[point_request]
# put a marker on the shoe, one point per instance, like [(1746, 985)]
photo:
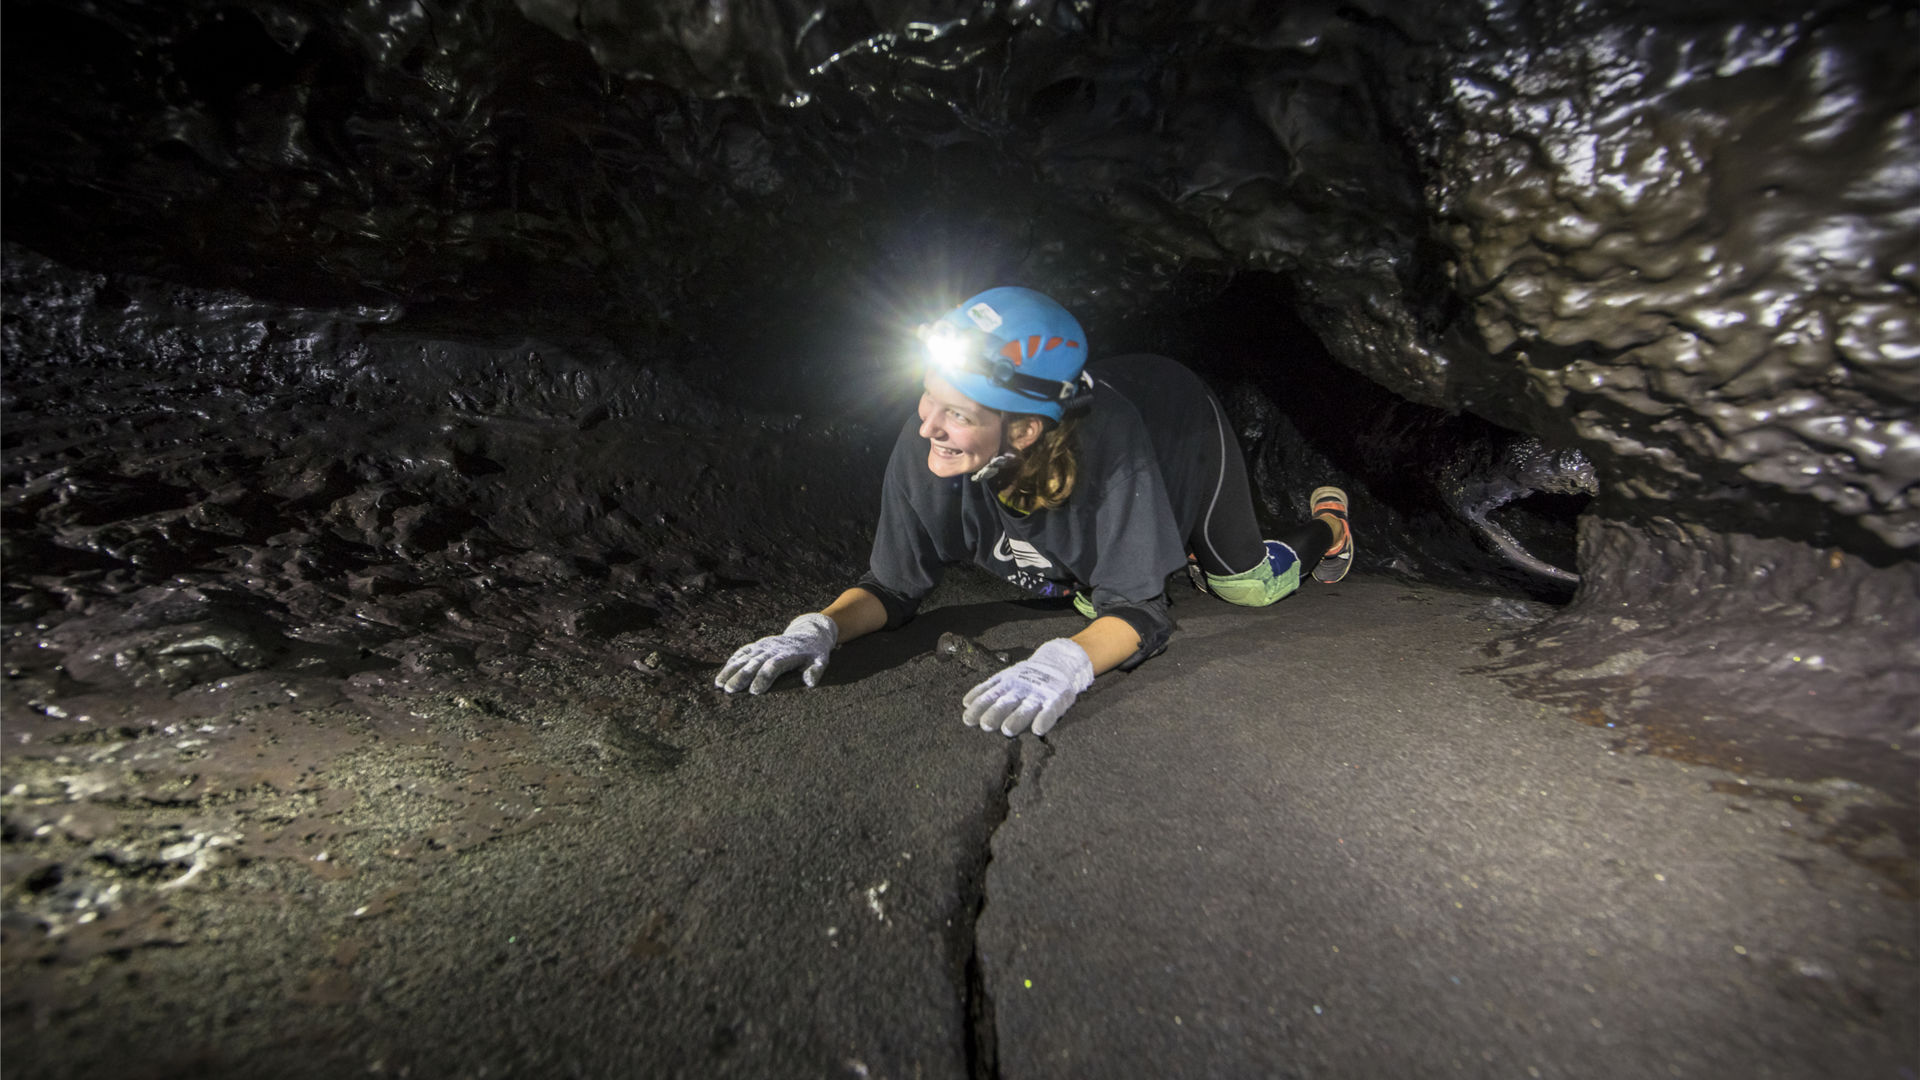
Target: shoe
[(1334, 564)]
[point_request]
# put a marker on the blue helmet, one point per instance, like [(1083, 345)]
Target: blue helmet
[(1011, 349)]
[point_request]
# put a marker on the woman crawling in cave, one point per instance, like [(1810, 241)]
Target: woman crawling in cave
[(1094, 483)]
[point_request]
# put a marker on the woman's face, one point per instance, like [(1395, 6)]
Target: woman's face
[(965, 434)]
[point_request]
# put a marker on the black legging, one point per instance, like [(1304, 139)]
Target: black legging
[(1228, 539)]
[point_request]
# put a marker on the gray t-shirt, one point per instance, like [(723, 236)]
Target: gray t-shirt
[(1148, 457)]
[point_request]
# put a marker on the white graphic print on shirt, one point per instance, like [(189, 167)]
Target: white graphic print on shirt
[(1029, 567), (1019, 553)]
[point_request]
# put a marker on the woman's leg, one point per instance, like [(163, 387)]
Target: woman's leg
[(1227, 540), (1307, 543), (1278, 574), (1239, 566)]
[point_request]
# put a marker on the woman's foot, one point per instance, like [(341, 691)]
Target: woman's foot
[(1330, 505)]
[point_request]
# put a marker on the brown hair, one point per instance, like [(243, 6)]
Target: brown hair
[(1044, 476)]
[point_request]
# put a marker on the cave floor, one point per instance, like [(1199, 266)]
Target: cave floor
[(1314, 840)]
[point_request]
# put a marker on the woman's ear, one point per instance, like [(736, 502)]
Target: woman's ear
[(1024, 431)]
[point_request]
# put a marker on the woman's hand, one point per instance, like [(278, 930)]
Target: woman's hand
[(807, 640), (1032, 693)]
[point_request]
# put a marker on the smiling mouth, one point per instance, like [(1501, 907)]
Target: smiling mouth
[(945, 451)]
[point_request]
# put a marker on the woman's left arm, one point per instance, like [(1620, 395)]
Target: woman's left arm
[(1107, 641), (1034, 692)]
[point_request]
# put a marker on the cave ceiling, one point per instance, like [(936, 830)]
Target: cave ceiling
[(1679, 238)]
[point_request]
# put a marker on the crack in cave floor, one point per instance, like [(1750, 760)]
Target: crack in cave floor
[(1308, 839), (982, 1038)]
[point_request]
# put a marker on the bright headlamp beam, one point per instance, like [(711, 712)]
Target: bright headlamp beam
[(946, 351)]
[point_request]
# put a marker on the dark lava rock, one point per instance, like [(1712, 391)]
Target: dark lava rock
[(175, 657), (1676, 241), (498, 289), (83, 498), (605, 618)]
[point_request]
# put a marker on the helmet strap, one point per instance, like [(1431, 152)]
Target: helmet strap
[(1006, 456), (993, 468)]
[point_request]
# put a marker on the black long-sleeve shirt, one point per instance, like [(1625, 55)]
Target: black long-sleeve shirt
[(1148, 458)]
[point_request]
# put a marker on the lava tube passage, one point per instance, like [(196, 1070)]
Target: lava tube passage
[(1054, 538)]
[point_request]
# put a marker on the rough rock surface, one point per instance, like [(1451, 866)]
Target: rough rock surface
[(1682, 239), (407, 403), (1664, 257), (256, 483), (1237, 860)]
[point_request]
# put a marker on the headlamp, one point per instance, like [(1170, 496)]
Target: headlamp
[(952, 349)]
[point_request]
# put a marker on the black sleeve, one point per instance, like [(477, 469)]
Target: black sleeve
[(900, 608), (905, 565), (1139, 535), (1137, 548), (1154, 625)]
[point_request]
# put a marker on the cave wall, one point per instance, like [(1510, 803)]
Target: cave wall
[(1684, 238), (1664, 255), (1707, 265), (1680, 241), (199, 484)]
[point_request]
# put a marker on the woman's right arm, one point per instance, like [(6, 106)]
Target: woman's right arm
[(857, 612), (805, 643)]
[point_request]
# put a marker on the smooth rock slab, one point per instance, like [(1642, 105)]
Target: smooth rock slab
[(1303, 843)]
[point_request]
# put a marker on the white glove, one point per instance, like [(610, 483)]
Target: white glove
[(1035, 691), (806, 640)]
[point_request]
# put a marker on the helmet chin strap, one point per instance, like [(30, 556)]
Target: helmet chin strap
[(1000, 461), (992, 468)]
